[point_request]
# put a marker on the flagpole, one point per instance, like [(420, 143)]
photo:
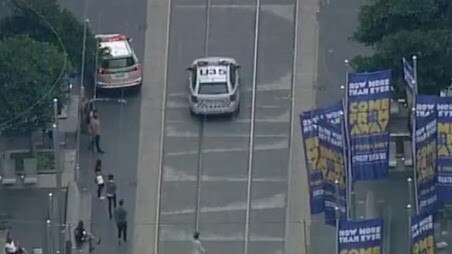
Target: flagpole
[(337, 213), (349, 179), (344, 154), (413, 136), (306, 161)]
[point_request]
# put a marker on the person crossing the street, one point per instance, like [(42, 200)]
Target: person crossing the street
[(197, 246)]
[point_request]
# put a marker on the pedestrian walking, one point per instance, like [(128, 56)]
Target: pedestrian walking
[(84, 113), (197, 247), (95, 130), (98, 167), (121, 221), (100, 184), (111, 194)]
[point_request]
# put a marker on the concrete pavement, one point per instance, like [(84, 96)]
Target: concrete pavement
[(26, 211), (298, 218)]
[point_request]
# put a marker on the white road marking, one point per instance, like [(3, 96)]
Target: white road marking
[(292, 126), (162, 130), (175, 175), (253, 115), (276, 201), (283, 144), (171, 232)]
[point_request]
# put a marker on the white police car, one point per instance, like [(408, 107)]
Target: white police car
[(118, 65), (214, 86)]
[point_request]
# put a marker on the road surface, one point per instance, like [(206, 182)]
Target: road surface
[(223, 164), (120, 122)]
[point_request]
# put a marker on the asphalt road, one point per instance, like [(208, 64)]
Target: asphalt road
[(120, 122), (225, 142), (337, 20)]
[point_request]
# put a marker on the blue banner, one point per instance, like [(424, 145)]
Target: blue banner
[(422, 234), (332, 166), (408, 74), (425, 147), (309, 128), (444, 150), (368, 111), (361, 236)]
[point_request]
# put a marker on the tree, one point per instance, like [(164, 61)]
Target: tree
[(401, 28), (30, 73), (41, 19)]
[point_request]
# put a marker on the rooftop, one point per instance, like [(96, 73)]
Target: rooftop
[(212, 74)]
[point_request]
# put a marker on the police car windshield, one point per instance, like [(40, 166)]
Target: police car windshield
[(213, 88), (116, 63)]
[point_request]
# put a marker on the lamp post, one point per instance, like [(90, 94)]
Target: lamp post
[(58, 175)]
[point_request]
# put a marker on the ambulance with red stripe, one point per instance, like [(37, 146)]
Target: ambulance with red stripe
[(117, 66)]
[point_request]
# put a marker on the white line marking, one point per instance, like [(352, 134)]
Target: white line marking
[(162, 129), (292, 126), (201, 130), (253, 115), (277, 201), (172, 232), (176, 175), (281, 145)]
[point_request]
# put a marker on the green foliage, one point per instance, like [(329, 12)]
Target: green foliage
[(28, 71), (28, 20), (402, 28)]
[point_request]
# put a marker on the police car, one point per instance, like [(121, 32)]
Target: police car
[(118, 66), (214, 86)]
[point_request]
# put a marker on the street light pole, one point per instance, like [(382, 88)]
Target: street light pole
[(409, 212), (49, 237), (58, 169), (410, 190), (82, 71)]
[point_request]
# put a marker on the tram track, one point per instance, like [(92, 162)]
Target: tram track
[(203, 122), (222, 180)]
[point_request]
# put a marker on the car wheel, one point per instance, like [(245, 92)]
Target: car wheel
[(192, 113), (237, 112)]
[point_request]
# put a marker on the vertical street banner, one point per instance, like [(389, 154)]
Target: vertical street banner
[(367, 125), (444, 150), (422, 234), (309, 128), (408, 74), (332, 166), (425, 151), (360, 236)]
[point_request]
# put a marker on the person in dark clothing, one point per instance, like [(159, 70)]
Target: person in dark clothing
[(121, 221), (111, 194), (82, 236), (95, 130), (98, 167)]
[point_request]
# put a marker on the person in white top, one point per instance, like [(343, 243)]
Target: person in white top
[(11, 247), (100, 184), (197, 247)]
